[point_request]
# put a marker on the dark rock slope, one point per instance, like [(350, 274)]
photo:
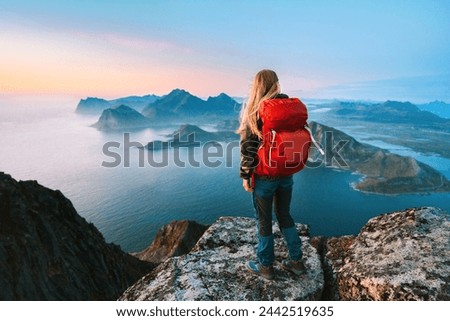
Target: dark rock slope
[(49, 252)]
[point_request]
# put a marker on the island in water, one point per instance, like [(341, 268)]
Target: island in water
[(122, 117), (381, 171)]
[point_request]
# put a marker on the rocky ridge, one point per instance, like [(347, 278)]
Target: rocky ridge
[(49, 252)]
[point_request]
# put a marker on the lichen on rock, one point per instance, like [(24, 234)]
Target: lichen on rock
[(215, 269), (399, 256)]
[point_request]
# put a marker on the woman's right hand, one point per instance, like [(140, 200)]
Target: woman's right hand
[(247, 186)]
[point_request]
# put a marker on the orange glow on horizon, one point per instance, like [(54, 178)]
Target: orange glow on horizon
[(36, 62), (112, 83)]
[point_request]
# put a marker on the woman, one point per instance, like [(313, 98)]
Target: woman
[(266, 189)]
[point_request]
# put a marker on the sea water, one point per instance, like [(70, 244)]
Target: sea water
[(45, 140)]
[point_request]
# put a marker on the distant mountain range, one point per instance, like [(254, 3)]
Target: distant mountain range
[(181, 104), (437, 107), (92, 105), (182, 107), (393, 112), (178, 105)]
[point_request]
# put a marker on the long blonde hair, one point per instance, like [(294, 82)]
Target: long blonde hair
[(265, 86)]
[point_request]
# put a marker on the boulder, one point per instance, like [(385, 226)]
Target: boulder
[(398, 256), (215, 269)]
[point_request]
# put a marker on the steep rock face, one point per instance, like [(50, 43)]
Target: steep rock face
[(49, 252), (215, 269), (174, 239), (384, 172), (398, 256)]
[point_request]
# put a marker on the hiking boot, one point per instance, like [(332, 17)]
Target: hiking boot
[(264, 271), (296, 267)]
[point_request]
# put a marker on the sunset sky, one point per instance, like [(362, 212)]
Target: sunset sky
[(319, 48)]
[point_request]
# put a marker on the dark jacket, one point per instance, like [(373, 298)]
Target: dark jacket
[(249, 149)]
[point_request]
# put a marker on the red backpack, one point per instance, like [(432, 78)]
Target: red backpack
[(286, 138)]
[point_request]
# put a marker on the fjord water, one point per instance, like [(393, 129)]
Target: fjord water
[(46, 141)]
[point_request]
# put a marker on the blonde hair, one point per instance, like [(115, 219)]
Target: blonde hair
[(265, 86)]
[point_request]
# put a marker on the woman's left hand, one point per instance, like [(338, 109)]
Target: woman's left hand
[(247, 186)]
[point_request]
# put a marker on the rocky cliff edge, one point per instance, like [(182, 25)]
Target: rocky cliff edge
[(215, 269), (403, 255), (398, 256), (48, 252)]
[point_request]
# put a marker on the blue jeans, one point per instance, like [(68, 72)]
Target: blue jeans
[(267, 192)]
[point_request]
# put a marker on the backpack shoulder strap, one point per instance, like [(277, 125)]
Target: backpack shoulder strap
[(314, 140)]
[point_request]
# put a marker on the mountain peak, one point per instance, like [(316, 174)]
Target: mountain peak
[(397, 104), (121, 117), (124, 108), (92, 105), (178, 91), (222, 97), (180, 102)]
